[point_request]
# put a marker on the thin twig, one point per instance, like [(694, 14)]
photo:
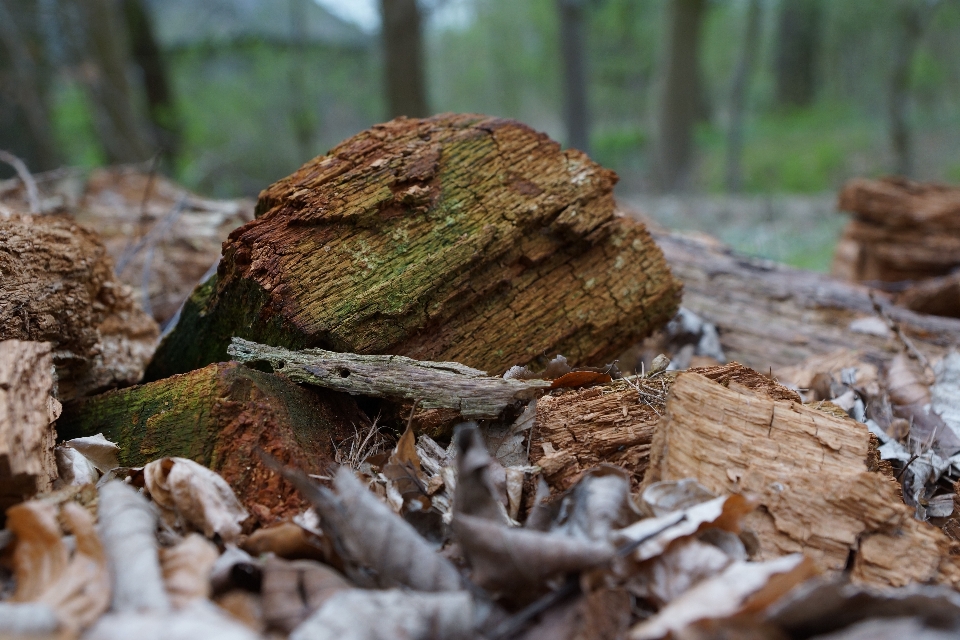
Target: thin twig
[(895, 327), (33, 194)]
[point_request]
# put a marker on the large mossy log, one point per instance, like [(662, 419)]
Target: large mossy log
[(220, 416), (457, 237)]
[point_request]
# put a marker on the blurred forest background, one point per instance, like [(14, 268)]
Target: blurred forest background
[(740, 118)]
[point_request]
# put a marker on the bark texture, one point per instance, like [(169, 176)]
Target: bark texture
[(27, 412), (797, 46), (219, 416), (438, 385), (57, 286), (769, 315), (901, 230), (808, 469), (455, 238)]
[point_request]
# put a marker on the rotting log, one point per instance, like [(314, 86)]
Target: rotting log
[(57, 286), (454, 238), (901, 230), (575, 430), (437, 385), (27, 413), (809, 471), (771, 316), (220, 416)]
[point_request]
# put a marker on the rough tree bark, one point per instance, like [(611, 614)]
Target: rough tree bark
[(219, 416), (797, 45), (769, 315), (161, 106), (573, 52), (57, 286), (455, 238), (809, 471), (404, 75), (739, 93), (25, 125), (100, 45), (27, 412), (678, 112)]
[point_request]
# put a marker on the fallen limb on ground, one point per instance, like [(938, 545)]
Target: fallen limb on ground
[(449, 385), (808, 470)]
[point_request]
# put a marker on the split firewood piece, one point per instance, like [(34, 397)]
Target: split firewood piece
[(901, 230), (456, 237), (808, 470), (58, 286), (448, 385), (27, 412), (771, 315), (217, 416), (615, 423)]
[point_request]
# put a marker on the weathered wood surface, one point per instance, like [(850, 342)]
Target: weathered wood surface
[(901, 230), (219, 416), (57, 286), (162, 238), (455, 238), (615, 423), (770, 315), (808, 469), (27, 412), (438, 385)]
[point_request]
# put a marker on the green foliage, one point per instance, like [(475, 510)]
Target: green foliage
[(74, 128)]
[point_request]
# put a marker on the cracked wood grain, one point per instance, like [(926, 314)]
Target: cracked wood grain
[(438, 385), (454, 238)]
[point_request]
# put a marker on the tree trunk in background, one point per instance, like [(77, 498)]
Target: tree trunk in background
[(301, 114), (739, 94), (25, 126), (912, 19), (104, 54), (404, 79), (796, 56), (162, 109), (681, 93), (572, 49)]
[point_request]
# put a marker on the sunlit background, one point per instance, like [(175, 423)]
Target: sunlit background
[(740, 118)]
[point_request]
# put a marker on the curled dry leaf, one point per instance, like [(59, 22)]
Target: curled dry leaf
[(127, 526), (245, 606), (481, 481), (599, 503), (201, 619), (294, 590), (289, 541), (27, 619), (371, 537), (74, 468), (666, 497), (905, 382), (720, 513), (403, 472), (186, 569), (357, 614), (742, 587), (236, 569), (98, 450), (77, 588), (685, 563), (511, 560), (195, 496)]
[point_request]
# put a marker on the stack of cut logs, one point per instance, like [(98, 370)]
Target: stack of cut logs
[(426, 273)]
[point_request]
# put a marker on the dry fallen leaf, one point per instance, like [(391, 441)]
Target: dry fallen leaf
[(98, 450), (74, 468), (201, 620), (357, 614), (195, 496), (292, 591), (479, 491), (77, 588), (741, 587), (186, 569), (289, 541), (128, 525)]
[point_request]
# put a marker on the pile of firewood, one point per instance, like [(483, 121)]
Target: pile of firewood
[(441, 386)]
